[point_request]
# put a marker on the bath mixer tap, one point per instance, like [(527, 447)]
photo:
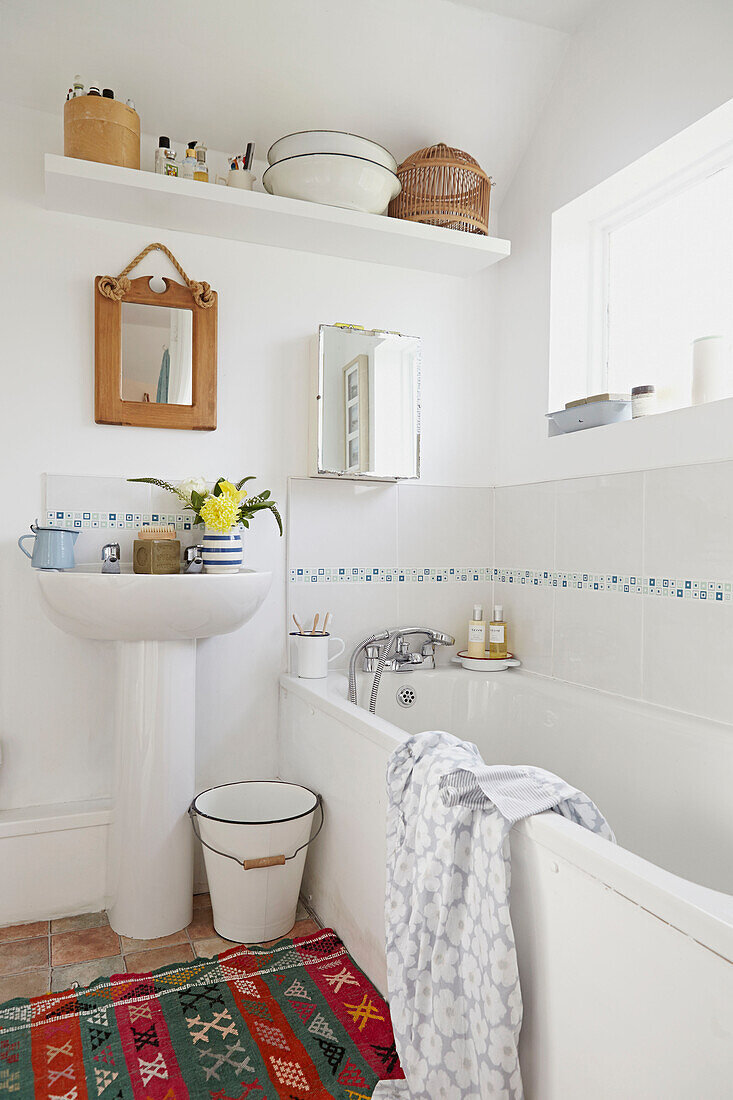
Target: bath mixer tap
[(390, 650)]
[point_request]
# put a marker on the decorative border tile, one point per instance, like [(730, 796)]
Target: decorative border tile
[(130, 521), (684, 588), (388, 575)]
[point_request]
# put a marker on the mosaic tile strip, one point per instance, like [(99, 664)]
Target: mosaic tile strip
[(130, 521), (388, 575), (683, 588)]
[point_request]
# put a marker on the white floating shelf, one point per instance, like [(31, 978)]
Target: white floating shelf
[(143, 198)]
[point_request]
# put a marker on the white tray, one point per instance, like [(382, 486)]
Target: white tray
[(593, 415), (486, 664)]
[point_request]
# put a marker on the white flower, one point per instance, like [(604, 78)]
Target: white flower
[(460, 1063), (503, 1048), (449, 1013), (503, 961), (192, 485)]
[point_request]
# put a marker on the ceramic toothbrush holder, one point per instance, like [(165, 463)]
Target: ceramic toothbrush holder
[(313, 658)]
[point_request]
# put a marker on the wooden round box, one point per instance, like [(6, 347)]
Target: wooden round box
[(104, 130)]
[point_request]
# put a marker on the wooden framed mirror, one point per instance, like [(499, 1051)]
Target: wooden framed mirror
[(155, 353)]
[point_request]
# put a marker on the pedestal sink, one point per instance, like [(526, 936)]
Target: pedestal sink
[(155, 621)]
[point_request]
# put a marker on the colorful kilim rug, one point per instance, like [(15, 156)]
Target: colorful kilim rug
[(297, 1021)]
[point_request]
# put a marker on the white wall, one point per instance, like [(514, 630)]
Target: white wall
[(635, 76), (56, 692)]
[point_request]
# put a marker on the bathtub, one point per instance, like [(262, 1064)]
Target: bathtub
[(625, 951)]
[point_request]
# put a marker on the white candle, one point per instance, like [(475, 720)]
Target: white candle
[(712, 373)]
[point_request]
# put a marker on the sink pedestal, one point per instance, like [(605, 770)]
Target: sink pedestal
[(155, 621), (150, 860)]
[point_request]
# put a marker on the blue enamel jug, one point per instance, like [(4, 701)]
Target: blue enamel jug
[(53, 547)]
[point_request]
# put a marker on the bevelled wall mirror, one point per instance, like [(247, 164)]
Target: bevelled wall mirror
[(155, 353), (367, 400)]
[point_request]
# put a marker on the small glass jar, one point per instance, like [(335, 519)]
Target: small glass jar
[(643, 401)]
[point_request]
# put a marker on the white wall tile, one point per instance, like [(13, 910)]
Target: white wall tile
[(524, 516), (688, 528), (599, 524), (443, 606), (597, 640), (357, 610), (688, 655), (89, 493), (528, 611), (341, 523), (444, 525)]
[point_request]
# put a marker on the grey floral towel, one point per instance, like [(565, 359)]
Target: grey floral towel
[(454, 990)]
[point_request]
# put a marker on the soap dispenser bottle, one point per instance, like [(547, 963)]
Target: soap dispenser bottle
[(497, 634), (201, 171), (477, 633), (188, 167)]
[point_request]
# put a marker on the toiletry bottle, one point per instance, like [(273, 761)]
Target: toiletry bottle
[(201, 172), (497, 633), (165, 158), (78, 86), (107, 93), (477, 633), (188, 166), (94, 90)]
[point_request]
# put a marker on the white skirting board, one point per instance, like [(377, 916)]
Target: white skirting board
[(53, 860)]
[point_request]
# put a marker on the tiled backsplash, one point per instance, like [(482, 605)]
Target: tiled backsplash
[(383, 555), (111, 509), (622, 583)]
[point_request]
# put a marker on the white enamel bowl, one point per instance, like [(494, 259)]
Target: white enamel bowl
[(335, 180), (330, 141)]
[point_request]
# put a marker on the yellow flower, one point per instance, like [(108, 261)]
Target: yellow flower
[(231, 491), (219, 513)]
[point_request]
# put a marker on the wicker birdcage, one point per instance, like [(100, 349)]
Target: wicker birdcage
[(443, 186)]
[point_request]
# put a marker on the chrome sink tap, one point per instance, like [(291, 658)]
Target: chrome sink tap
[(111, 557)]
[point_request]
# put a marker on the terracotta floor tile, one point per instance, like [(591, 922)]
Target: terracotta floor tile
[(304, 928), (24, 931), (23, 955), (63, 977), (34, 983), (202, 925), (129, 945), (300, 928), (76, 924), (201, 901), (206, 949), (88, 943), (141, 962)]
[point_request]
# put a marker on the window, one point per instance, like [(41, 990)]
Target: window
[(670, 281), (641, 266)]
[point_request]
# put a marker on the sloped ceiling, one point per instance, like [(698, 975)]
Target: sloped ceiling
[(404, 72), (562, 15)]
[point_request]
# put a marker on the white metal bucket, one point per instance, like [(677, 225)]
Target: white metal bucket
[(255, 837)]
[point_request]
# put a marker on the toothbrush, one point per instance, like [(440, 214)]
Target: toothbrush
[(315, 623), (300, 628), (326, 621)]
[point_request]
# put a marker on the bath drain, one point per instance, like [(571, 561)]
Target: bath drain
[(406, 696)]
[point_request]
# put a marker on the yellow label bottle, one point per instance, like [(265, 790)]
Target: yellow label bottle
[(498, 634), (477, 633)]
